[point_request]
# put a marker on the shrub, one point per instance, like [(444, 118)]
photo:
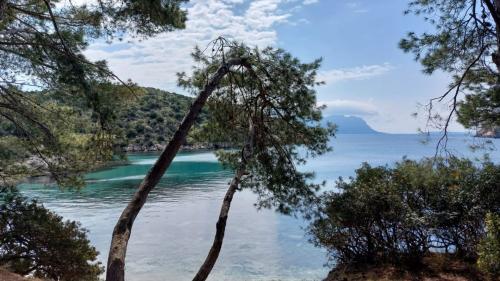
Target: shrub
[(34, 240), (489, 248), (398, 215)]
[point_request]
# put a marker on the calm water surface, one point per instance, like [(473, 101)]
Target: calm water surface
[(174, 231)]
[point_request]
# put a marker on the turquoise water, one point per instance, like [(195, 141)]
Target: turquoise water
[(175, 229)]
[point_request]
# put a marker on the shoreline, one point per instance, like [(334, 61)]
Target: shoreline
[(160, 147), (47, 179)]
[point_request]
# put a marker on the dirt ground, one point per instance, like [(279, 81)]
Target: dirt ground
[(8, 276), (436, 268)]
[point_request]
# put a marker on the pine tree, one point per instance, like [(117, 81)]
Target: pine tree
[(267, 110), (464, 43), (262, 102)]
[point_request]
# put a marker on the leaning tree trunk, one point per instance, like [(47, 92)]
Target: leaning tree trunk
[(121, 233), (495, 11), (220, 226)]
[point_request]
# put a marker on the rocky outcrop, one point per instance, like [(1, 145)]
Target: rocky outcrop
[(188, 147), (5, 275), (144, 148), (34, 162), (489, 133), (436, 267)]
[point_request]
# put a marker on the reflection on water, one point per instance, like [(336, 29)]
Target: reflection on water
[(174, 231)]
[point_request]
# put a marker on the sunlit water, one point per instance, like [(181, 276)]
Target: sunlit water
[(174, 231)]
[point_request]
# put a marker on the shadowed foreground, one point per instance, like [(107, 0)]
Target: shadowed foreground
[(8, 276), (435, 268)]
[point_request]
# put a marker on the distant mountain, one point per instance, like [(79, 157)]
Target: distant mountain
[(350, 125)]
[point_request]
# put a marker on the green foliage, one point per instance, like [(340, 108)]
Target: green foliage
[(64, 140), (464, 43), (70, 114), (271, 100), (42, 44), (153, 117), (398, 215), (73, 141), (144, 18), (478, 111), (456, 40), (489, 248), (11, 169), (35, 241)]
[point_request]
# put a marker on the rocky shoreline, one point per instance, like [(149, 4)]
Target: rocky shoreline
[(189, 147), (489, 133), (35, 163)]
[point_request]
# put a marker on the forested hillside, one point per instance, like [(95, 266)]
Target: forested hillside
[(152, 118)]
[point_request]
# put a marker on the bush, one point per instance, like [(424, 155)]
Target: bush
[(34, 240), (489, 248), (398, 215)]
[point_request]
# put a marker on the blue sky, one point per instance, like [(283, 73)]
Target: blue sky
[(366, 74)]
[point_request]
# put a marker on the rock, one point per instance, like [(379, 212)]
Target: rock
[(489, 133), (188, 147), (36, 163), (8, 276)]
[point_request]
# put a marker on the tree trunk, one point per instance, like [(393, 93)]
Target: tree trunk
[(220, 227), (496, 55), (3, 6), (121, 233)]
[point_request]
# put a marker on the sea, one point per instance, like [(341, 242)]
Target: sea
[(173, 232)]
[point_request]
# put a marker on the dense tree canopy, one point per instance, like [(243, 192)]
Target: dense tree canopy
[(153, 117), (399, 215), (35, 241), (465, 43)]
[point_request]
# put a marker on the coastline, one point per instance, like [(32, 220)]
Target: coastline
[(45, 177), (186, 147)]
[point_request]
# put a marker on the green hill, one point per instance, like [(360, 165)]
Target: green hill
[(150, 121)]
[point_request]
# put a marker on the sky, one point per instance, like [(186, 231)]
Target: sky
[(366, 74)]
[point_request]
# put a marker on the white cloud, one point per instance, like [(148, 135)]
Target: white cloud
[(309, 2), (354, 73), (356, 7), (349, 107), (155, 61), (262, 14)]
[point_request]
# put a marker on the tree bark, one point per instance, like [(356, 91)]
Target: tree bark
[(220, 226), (121, 233), (3, 7), (496, 54)]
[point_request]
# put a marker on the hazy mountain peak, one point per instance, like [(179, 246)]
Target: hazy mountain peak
[(348, 124)]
